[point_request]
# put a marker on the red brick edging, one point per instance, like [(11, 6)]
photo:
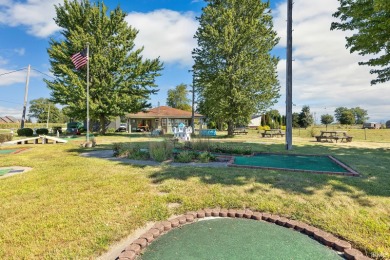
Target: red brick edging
[(160, 228)]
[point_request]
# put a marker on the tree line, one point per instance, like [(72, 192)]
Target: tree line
[(234, 74)]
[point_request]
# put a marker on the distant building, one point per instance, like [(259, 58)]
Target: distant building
[(255, 121), (9, 119), (372, 125), (162, 117)]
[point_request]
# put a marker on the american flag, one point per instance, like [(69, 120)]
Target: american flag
[(80, 59)]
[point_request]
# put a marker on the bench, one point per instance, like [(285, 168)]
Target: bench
[(346, 138), (327, 138), (273, 133), (238, 131), (208, 132)]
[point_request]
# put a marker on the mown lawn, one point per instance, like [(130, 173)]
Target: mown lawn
[(73, 207)]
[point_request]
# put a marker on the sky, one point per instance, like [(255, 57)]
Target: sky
[(325, 74)]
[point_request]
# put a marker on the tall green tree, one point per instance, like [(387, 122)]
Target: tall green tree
[(121, 80), (347, 118), (338, 112), (42, 109), (305, 117), (234, 72), (177, 98), (360, 114), (370, 21), (326, 120)]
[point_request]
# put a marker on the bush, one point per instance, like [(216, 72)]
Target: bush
[(42, 131), (25, 132), (5, 138), (121, 149), (206, 157), (57, 128), (185, 157), (266, 127), (161, 151)]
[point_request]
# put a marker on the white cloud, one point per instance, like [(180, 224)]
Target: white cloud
[(36, 15), (20, 51), (166, 34), (7, 111), (325, 74)]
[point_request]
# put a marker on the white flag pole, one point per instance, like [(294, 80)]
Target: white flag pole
[(87, 92)]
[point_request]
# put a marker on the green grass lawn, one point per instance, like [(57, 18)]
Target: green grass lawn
[(71, 207)]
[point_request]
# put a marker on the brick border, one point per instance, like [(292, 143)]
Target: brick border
[(160, 228)]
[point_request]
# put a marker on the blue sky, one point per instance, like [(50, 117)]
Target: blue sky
[(325, 74)]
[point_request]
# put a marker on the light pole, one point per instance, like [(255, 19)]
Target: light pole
[(289, 77)]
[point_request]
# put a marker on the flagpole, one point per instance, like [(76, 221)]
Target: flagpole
[(87, 92)]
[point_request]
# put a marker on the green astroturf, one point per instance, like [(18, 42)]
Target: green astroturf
[(7, 151), (4, 171), (296, 162), (225, 238)]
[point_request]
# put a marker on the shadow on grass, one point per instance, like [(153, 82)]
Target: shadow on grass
[(372, 164)]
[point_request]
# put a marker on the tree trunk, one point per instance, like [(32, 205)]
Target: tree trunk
[(230, 128), (102, 122)]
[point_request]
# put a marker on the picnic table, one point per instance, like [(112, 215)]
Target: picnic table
[(273, 133), (329, 136), (240, 130)]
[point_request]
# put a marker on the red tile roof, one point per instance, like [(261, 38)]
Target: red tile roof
[(164, 111)]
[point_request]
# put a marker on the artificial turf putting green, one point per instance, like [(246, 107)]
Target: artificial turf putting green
[(8, 151), (4, 171), (296, 162), (225, 238)]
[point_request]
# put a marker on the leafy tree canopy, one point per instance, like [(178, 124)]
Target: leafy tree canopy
[(234, 73), (371, 21), (121, 81), (359, 114), (177, 98), (305, 117), (327, 119), (43, 109)]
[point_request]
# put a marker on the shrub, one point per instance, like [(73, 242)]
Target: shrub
[(283, 127), (312, 131), (266, 127), (161, 151), (25, 132), (57, 128), (110, 130), (185, 157), (206, 157), (5, 137), (199, 144), (121, 149), (42, 131)]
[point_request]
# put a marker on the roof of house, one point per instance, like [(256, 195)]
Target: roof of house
[(164, 111)]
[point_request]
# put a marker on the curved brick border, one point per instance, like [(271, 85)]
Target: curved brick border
[(160, 228)]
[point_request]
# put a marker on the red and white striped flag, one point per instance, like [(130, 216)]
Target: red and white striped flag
[(80, 59)]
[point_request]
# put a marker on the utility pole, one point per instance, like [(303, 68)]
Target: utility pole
[(193, 108), (48, 114), (25, 97), (289, 77), (88, 92)]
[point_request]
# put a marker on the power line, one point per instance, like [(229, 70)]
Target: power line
[(12, 71), (43, 73), (10, 102)]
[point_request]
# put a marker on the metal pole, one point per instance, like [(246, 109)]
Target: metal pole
[(25, 97), (193, 108), (289, 78), (48, 113), (87, 92)]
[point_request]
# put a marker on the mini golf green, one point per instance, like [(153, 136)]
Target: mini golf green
[(4, 171), (8, 151), (225, 238), (295, 162)]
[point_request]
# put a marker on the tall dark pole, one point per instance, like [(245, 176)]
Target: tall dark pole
[(289, 77), (25, 97)]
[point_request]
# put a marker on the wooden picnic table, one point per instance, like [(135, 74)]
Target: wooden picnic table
[(240, 130), (329, 136), (273, 133)]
